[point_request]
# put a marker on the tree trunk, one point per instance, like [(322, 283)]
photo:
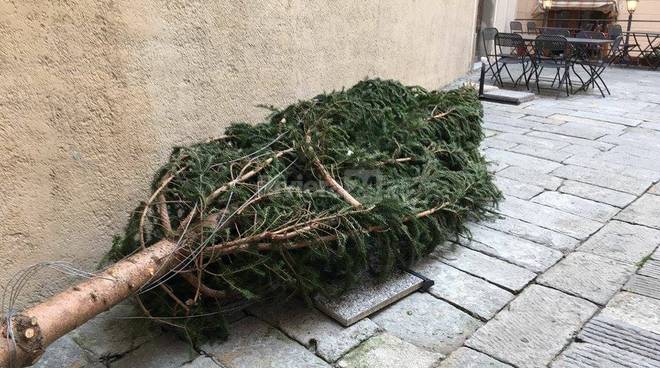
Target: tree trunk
[(39, 326)]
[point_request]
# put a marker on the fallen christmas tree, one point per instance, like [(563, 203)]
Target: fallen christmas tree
[(369, 179)]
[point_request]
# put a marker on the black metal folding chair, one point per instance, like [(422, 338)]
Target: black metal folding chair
[(510, 49), (516, 27), (596, 66), (614, 31), (531, 27), (553, 52)]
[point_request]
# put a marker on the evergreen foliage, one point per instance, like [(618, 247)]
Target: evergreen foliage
[(256, 218)]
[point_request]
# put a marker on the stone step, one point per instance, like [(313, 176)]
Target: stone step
[(507, 96), (607, 331), (368, 297)]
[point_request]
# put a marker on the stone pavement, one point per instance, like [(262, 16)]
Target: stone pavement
[(567, 276)]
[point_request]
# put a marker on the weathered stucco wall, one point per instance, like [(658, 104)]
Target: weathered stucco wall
[(93, 94)]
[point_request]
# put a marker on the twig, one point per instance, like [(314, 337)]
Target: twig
[(241, 178), (329, 179)]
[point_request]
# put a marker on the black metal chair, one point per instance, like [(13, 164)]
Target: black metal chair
[(587, 27), (510, 49), (488, 41), (553, 52), (613, 32), (516, 27), (531, 27), (596, 66)]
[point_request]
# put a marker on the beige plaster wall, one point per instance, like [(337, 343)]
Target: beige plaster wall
[(94, 93), (505, 12)]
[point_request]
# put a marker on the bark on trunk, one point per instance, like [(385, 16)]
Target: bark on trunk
[(39, 326)]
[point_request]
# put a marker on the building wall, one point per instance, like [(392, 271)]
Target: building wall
[(94, 94), (647, 10), (505, 13)]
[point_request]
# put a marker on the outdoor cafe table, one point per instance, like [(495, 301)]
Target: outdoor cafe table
[(530, 38)]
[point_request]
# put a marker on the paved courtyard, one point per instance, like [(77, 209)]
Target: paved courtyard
[(567, 276)]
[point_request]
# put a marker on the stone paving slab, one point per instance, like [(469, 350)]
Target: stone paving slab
[(588, 276), (636, 310), (427, 322), (165, 351), (593, 162), (623, 241), (547, 154), (115, 332), (644, 211), (531, 177), (495, 142), (517, 189), (575, 130), (606, 331), (530, 141), (627, 157), (603, 178), (468, 358), (202, 362), (572, 140), (473, 294), (368, 297), (537, 234), (650, 268), (253, 343), (534, 328), (548, 217), (598, 194), (518, 251), (644, 285), (614, 127), (579, 355), (388, 351), (577, 206), (517, 159), (635, 137), (504, 274), (314, 330), (64, 353), (578, 150), (505, 128)]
